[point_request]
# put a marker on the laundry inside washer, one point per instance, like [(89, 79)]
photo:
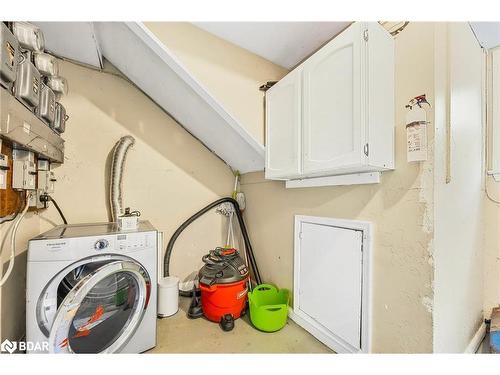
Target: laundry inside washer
[(105, 311)]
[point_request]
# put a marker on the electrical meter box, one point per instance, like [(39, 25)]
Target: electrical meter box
[(9, 56), (47, 106), (28, 83), (60, 118)]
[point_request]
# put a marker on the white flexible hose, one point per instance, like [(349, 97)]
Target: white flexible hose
[(117, 167), (13, 235), (230, 234)]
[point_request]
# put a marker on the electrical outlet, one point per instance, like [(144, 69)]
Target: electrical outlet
[(39, 203), (33, 200)]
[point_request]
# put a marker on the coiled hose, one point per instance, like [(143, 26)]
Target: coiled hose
[(117, 167), (246, 239)]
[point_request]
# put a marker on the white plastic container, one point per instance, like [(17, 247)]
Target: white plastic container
[(168, 296)]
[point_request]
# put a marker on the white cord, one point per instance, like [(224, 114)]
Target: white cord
[(15, 226), (230, 236)]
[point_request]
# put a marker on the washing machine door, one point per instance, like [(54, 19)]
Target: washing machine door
[(102, 310)]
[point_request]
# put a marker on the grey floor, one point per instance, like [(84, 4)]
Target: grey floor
[(484, 348), (178, 334)]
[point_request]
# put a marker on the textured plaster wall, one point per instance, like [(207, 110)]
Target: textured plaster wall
[(168, 176), (459, 201), (230, 73), (400, 208)]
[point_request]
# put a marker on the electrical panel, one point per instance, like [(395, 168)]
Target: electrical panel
[(23, 170), (31, 119), (45, 183), (46, 177)]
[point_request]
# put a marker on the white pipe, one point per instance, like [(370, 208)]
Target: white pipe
[(117, 167), (13, 241)]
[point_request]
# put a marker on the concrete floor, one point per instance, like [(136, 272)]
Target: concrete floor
[(484, 348), (178, 334)]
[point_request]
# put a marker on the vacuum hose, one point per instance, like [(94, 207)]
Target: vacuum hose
[(246, 239), (117, 166)]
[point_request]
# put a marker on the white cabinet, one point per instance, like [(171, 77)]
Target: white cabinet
[(331, 281), (334, 114), (283, 110)]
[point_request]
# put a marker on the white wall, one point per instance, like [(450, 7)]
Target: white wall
[(458, 205), (492, 192)]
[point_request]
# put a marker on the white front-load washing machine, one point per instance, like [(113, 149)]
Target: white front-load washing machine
[(92, 289)]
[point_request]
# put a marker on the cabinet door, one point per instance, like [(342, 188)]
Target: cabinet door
[(283, 118), (333, 137)]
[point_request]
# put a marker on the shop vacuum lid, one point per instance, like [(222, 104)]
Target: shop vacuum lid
[(223, 266)]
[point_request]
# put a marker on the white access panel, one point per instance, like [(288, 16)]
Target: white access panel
[(331, 277)]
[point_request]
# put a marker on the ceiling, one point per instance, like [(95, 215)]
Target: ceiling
[(72, 40), (141, 57), (283, 43), (488, 33), (134, 50)]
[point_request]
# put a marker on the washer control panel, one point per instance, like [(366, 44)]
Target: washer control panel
[(132, 242), (71, 248)]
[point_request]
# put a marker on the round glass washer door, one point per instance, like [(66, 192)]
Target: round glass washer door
[(102, 311)]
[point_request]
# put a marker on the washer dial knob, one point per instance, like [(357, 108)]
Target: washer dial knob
[(101, 244)]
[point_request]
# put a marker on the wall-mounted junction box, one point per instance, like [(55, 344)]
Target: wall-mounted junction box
[(45, 185), (24, 170), (4, 167), (46, 180)]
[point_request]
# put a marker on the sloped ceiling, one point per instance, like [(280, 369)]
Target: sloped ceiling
[(283, 43), (72, 40), (487, 33), (139, 55)]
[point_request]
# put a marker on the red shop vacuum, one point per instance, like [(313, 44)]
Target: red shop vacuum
[(223, 288), (223, 280)]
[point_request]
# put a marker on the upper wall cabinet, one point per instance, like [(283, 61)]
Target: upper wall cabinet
[(334, 114), (284, 112)]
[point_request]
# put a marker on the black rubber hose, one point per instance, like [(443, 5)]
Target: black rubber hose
[(246, 239)]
